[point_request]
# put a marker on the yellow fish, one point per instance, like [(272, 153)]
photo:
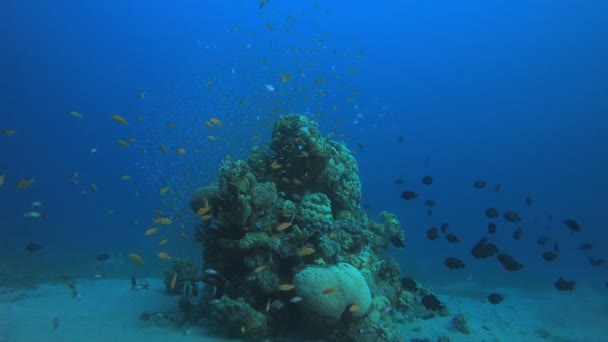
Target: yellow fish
[(181, 151), (2, 179), (184, 236), (283, 226), (151, 231), (94, 187), (306, 251), (164, 256), (216, 121), (162, 220), (286, 287), (330, 290), (142, 95), (209, 125), (173, 281), (206, 217), (24, 183), (259, 269), (75, 114), (163, 148), (126, 177), (122, 143), (120, 119), (354, 308), (162, 242), (164, 190), (8, 132), (136, 258), (212, 137), (286, 78)]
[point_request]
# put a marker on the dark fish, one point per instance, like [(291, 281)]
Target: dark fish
[(492, 213), (529, 201), (367, 205), (484, 249), (495, 298), (55, 323), (497, 188), (479, 184), (360, 145), (429, 212), (549, 256), (550, 217), (263, 3), (444, 227), (430, 203), (401, 138), (511, 216), (432, 233), (564, 285), (409, 195), (542, 240), (133, 282), (397, 241), (518, 233), (509, 263), (103, 257), (453, 263), (572, 225), (596, 262), (452, 238), (556, 247), (427, 180), (587, 246), (347, 315), (409, 284), (431, 303), (399, 181), (491, 228), (33, 247)]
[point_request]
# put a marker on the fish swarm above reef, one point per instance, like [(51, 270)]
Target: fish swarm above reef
[(286, 214)]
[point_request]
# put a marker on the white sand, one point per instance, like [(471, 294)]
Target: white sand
[(109, 311)]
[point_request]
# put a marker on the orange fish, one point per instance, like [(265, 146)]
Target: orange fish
[(163, 148), (8, 132), (330, 290), (181, 151), (24, 183), (136, 258), (162, 242), (151, 231), (162, 220), (164, 256), (173, 281), (206, 217), (286, 287), (281, 227), (164, 190), (216, 121), (259, 269), (354, 308), (275, 165), (122, 143), (120, 119), (306, 251)]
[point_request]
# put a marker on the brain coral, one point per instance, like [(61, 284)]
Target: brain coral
[(350, 286)]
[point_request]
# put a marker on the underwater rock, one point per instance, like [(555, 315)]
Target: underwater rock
[(352, 289), (316, 212)]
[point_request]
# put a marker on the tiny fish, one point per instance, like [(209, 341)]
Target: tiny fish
[(120, 119), (136, 258), (151, 231), (295, 300), (1, 179), (216, 121), (330, 290), (173, 281), (55, 323), (24, 183), (164, 256), (306, 251), (354, 308), (75, 114), (286, 287), (181, 151), (162, 220), (281, 227), (164, 190), (259, 269), (162, 242)]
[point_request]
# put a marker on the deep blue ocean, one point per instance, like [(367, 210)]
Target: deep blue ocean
[(509, 92)]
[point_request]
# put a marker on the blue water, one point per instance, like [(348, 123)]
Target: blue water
[(510, 92)]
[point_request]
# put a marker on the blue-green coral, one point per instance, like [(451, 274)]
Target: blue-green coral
[(316, 212)]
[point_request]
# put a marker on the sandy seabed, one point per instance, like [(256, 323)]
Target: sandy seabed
[(108, 310)]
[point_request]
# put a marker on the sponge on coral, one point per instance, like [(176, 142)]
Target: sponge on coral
[(350, 289)]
